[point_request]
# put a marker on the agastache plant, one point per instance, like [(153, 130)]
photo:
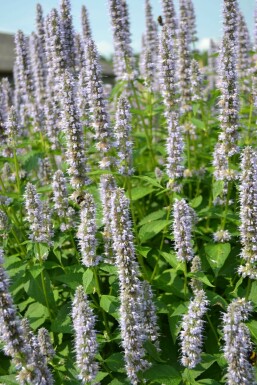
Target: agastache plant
[(67, 34), (123, 59), (184, 58), (229, 102), (38, 218), (15, 339), (87, 232), (131, 310), (75, 151), (64, 212), (191, 21), (123, 139), (184, 218), (244, 47), (238, 343), (86, 346), (86, 29), (98, 105), (167, 70), (170, 19), (191, 334), (248, 210)]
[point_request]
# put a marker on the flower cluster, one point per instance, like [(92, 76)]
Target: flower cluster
[(238, 343), (184, 217), (86, 346)]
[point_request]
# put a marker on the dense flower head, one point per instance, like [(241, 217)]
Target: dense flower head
[(238, 343), (221, 236), (87, 232), (191, 21), (167, 70), (184, 58), (45, 344), (61, 202), (228, 83), (67, 34), (71, 124), (86, 346), (12, 127), (38, 68), (38, 216), (150, 324), (184, 218), (86, 29), (55, 54), (6, 101), (107, 185), (196, 81), (170, 18), (122, 135), (131, 308), (191, 334), (221, 164), (122, 41), (248, 212), (97, 103)]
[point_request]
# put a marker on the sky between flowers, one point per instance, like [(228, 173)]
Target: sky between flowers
[(20, 14)]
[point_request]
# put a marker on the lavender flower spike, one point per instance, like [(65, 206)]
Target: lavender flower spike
[(248, 213), (38, 218), (14, 336), (131, 310), (238, 343), (87, 232), (75, 152), (122, 134), (86, 29), (184, 58), (184, 217), (97, 104), (61, 203), (229, 99), (170, 19), (167, 68), (67, 34), (191, 335), (85, 337), (122, 40), (196, 81)]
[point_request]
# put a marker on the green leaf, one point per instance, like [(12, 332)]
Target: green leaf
[(153, 217), (140, 192), (207, 361), (36, 290), (151, 181), (217, 188), (115, 362), (200, 276), (152, 351), (208, 381), (73, 280), (110, 304), (100, 376), (37, 314), (88, 281), (217, 255), (170, 282), (149, 230), (9, 380), (198, 123), (62, 322), (171, 258), (163, 374), (143, 250), (196, 202)]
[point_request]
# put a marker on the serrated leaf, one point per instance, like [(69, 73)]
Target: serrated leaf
[(35, 289), (217, 188), (200, 276), (140, 192), (9, 380), (217, 255), (62, 322), (110, 304), (88, 281), (149, 230), (116, 362), (196, 202), (153, 217), (163, 374), (36, 314)]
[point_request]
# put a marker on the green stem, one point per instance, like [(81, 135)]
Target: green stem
[(213, 328), (248, 289), (17, 170), (98, 290)]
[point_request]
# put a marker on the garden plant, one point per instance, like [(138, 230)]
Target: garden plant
[(128, 212)]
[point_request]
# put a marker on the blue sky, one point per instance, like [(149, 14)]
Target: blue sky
[(20, 14)]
